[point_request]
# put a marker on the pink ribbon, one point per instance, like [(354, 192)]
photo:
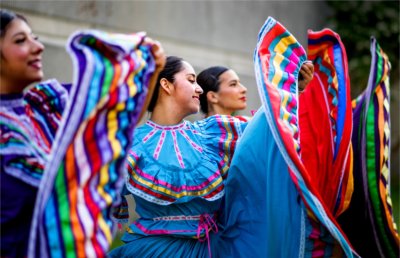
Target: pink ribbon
[(207, 223)]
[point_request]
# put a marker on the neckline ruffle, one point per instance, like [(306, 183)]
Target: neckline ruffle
[(166, 127)]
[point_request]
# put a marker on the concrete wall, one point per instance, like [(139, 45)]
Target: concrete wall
[(205, 33)]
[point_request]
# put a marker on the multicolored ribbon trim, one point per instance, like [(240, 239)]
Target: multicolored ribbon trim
[(278, 58), (371, 141)]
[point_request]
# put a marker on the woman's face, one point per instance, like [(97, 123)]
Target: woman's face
[(21, 56), (187, 91), (231, 95)]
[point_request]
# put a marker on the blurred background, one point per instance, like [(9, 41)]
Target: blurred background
[(208, 33)]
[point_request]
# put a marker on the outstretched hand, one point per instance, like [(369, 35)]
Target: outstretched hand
[(306, 75), (158, 53)]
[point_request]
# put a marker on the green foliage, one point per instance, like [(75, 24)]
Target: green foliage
[(356, 22)]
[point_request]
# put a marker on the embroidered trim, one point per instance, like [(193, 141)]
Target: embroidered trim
[(177, 218)]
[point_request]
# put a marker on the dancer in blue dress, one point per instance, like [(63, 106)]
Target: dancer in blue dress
[(177, 172)]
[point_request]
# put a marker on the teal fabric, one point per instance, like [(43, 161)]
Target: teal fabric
[(263, 214)]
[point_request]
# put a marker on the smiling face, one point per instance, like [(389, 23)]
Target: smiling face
[(21, 55), (187, 91), (231, 95)]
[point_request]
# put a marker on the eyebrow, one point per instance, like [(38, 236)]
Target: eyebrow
[(19, 33), (191, 74)]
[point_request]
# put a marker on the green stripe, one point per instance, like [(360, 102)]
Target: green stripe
[(64, 212), (108, 76), (372, 173), (379, 66)]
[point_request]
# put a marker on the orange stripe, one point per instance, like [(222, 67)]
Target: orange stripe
[(381, 120), (117, 74), (72, 190), (382, 187)]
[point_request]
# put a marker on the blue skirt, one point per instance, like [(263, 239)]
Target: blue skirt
[(160, 246), (262, 214)]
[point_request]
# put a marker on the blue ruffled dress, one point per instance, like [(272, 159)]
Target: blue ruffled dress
[(176, 175)]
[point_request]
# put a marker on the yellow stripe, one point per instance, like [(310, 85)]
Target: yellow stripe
[(284, 43), (285, 116), (105, 228), (278, 72), (350, 183), (131, 161), (286, 96), (131, 85), (104, 179), (281, 47), (112, 126), (227, 141), (166, 191)]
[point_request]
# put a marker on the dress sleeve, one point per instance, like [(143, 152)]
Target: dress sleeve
[(28, 127), (278, 58), (49, 99), (221, 135), (83, 177)]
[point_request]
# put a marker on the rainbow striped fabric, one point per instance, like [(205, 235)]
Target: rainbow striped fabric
[(371, 206), (278, 58), (327, 147), (279, 53), (84, 174)]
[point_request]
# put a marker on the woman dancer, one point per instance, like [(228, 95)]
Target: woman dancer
[(176, 171), (34, 125)]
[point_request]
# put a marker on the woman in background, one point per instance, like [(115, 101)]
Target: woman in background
[(223, 92)]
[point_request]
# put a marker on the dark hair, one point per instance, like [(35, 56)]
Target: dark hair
[(6, 18), (172, 66), (208, 80)]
